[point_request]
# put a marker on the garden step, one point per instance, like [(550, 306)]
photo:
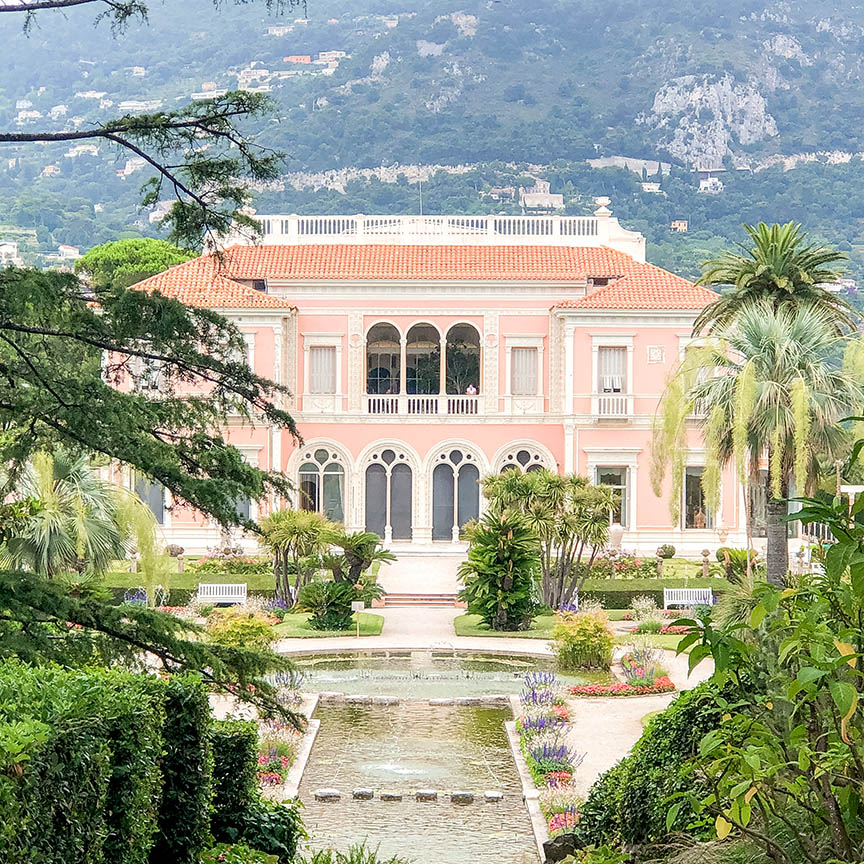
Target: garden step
[(394, 599)]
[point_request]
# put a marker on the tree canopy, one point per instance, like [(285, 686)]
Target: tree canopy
[(122, 263)]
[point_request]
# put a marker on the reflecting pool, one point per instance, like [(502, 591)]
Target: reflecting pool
[(427, 674), (411, 746)]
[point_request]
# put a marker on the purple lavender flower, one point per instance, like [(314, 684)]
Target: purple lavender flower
[(538, 680)]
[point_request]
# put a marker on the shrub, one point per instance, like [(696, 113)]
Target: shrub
[(226, 853), (235, 777), (503, 558), (329, 604), (630, 802), (237, 627), (187, 767), (231, 565), (667, 550), (583, 640), (274, 828)]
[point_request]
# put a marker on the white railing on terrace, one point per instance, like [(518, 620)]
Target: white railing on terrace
[(612, 404), (601, 229), (422, 405)]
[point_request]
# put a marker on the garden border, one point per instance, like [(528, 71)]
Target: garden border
[(291, 786)]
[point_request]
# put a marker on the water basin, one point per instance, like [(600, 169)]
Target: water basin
[(408, 747), (427, 674)]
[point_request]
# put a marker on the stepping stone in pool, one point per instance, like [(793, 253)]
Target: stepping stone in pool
[(363, 794), (440, 701), (327, 794), (492, 796), (461, 797), (390, 796), (426, 795)]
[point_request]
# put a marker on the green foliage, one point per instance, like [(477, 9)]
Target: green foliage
[(329, 603), (667, 550), (82, 755), (782, 268), (296, 538), (360, 550), (597, 855), (187, 766), (499, 573), (235, 780), (274, 828), (237, 627), (58, 390), (76, 525), (122, 263), (569, 516), (356, 854), (583, 640), (238, 853), (230, 565), (631, 801)]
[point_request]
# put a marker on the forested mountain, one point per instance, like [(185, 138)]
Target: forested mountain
[(513, 89)]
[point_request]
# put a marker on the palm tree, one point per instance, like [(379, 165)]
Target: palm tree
[(294, 536), (781, 267), (76, 525), (360, 551), (774, 394), (569, 516)]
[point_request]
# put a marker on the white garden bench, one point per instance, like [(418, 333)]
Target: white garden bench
[(210, 592), (687, 597)]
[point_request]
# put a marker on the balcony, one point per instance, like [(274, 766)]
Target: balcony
[(612, 405), (426, 406)]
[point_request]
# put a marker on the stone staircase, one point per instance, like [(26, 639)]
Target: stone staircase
[(414, 600)]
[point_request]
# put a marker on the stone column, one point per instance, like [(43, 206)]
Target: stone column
[(442, 368), (403, 365)]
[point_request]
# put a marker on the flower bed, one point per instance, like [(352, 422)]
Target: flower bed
[(551, 761), (675, 629), (666, 613), (662, 684), (277, 750)]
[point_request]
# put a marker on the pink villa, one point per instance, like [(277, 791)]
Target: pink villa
[(424, 353)]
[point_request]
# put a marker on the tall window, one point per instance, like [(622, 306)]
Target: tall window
[(152, 493), (612, 370), (322, 369), (389, 495), (322, 484), (615, 476), (455, 494), (696, 512), (523, 371)]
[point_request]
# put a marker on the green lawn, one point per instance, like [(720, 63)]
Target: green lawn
[(472, 625), (297, 627)]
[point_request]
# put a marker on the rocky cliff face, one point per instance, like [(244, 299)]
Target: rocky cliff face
[(700, 118)]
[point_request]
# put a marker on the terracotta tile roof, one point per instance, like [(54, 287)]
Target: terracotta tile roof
[(205, 282), (644, 287), (385, 261), (210, 281)]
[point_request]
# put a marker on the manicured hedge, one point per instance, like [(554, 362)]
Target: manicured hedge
[(87, 788), (235, 776), (629, 803), (187, 766)]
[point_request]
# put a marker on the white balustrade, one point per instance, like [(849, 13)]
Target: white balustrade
[(463, 405), (422, 405), (382, 404), (612, 404), (426, 405)]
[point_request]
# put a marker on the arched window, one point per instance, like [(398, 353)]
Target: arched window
[(522, 459), (455, 493), (423, 360), (322, 483), (389, 495), (383, 359), (463, 360)]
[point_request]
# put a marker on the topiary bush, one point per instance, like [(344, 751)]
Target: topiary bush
[(630, 802), (237, 627), (583, 640), (329, 604), (187, 768), (667, 550)]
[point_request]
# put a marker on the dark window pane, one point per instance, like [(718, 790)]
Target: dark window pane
[(400, 502), (469, 494), (442, 502), (152, 493), (376, 499)]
